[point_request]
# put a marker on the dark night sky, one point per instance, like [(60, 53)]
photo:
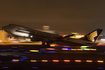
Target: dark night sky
[(65, 15)]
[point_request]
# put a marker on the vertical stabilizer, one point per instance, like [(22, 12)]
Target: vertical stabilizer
[(93, 36)]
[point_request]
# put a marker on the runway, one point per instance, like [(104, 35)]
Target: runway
[(36, 57)]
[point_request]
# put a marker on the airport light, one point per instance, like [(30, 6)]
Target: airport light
[(77, 60), (74, 49), (87, 49), (44, 60), (34, 50), (33, 60), (66, 60), (55, 60), (88, 60), (80, 49), (100, 61), (15, 60), (93, 49), (52, 45), (50, 48)]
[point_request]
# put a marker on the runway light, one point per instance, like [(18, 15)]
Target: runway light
[(33, 60), (84, 46), (15, 50), (52, 45), (88, 60), (16, 55), (26, 52), (77, 60), (20, 49), (93, 49), (3, 55), (100, 61), (15, 60), (100, 68), (66, 48), (50, 48), (35, 67), (55, 60), (3, 50), (74, 49), (34, 50), (86, 49), (66, 60), (44, 60), (9, 49), (5, 67), (80, 49)]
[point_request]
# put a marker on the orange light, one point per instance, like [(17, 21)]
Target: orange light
[(55, 60), (77, 60), (34, 50), (33, 60), (66, 60), (100, 61), (74, 49), (44, 60), (88, 60), (93, 49), (50, 48)]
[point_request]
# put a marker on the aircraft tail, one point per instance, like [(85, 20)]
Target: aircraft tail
[(93, 36)]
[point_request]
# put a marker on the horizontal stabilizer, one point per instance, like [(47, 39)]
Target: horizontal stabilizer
[(68, 36)]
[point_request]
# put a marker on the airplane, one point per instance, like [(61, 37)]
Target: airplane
[(49, 38)]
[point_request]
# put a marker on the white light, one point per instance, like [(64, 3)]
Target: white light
[(31, 36), (0, 40), (102, 39), (21, 34)]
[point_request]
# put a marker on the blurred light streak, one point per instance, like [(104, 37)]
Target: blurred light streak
[(88, 60), (100, 61), (20, 49), (87, 49), (16, 55), (5, 67), (44, 60), (33, 60), (100, 68), (66, 48), (35, 67), (26, 52), (55, 60), (9, 49), (34, 50), (52, 45), (77, 60), (93, 49), (80, 49), (15, 60), (50, 48), (74, 49), (3, 55), (66, 60), (3, 50)]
